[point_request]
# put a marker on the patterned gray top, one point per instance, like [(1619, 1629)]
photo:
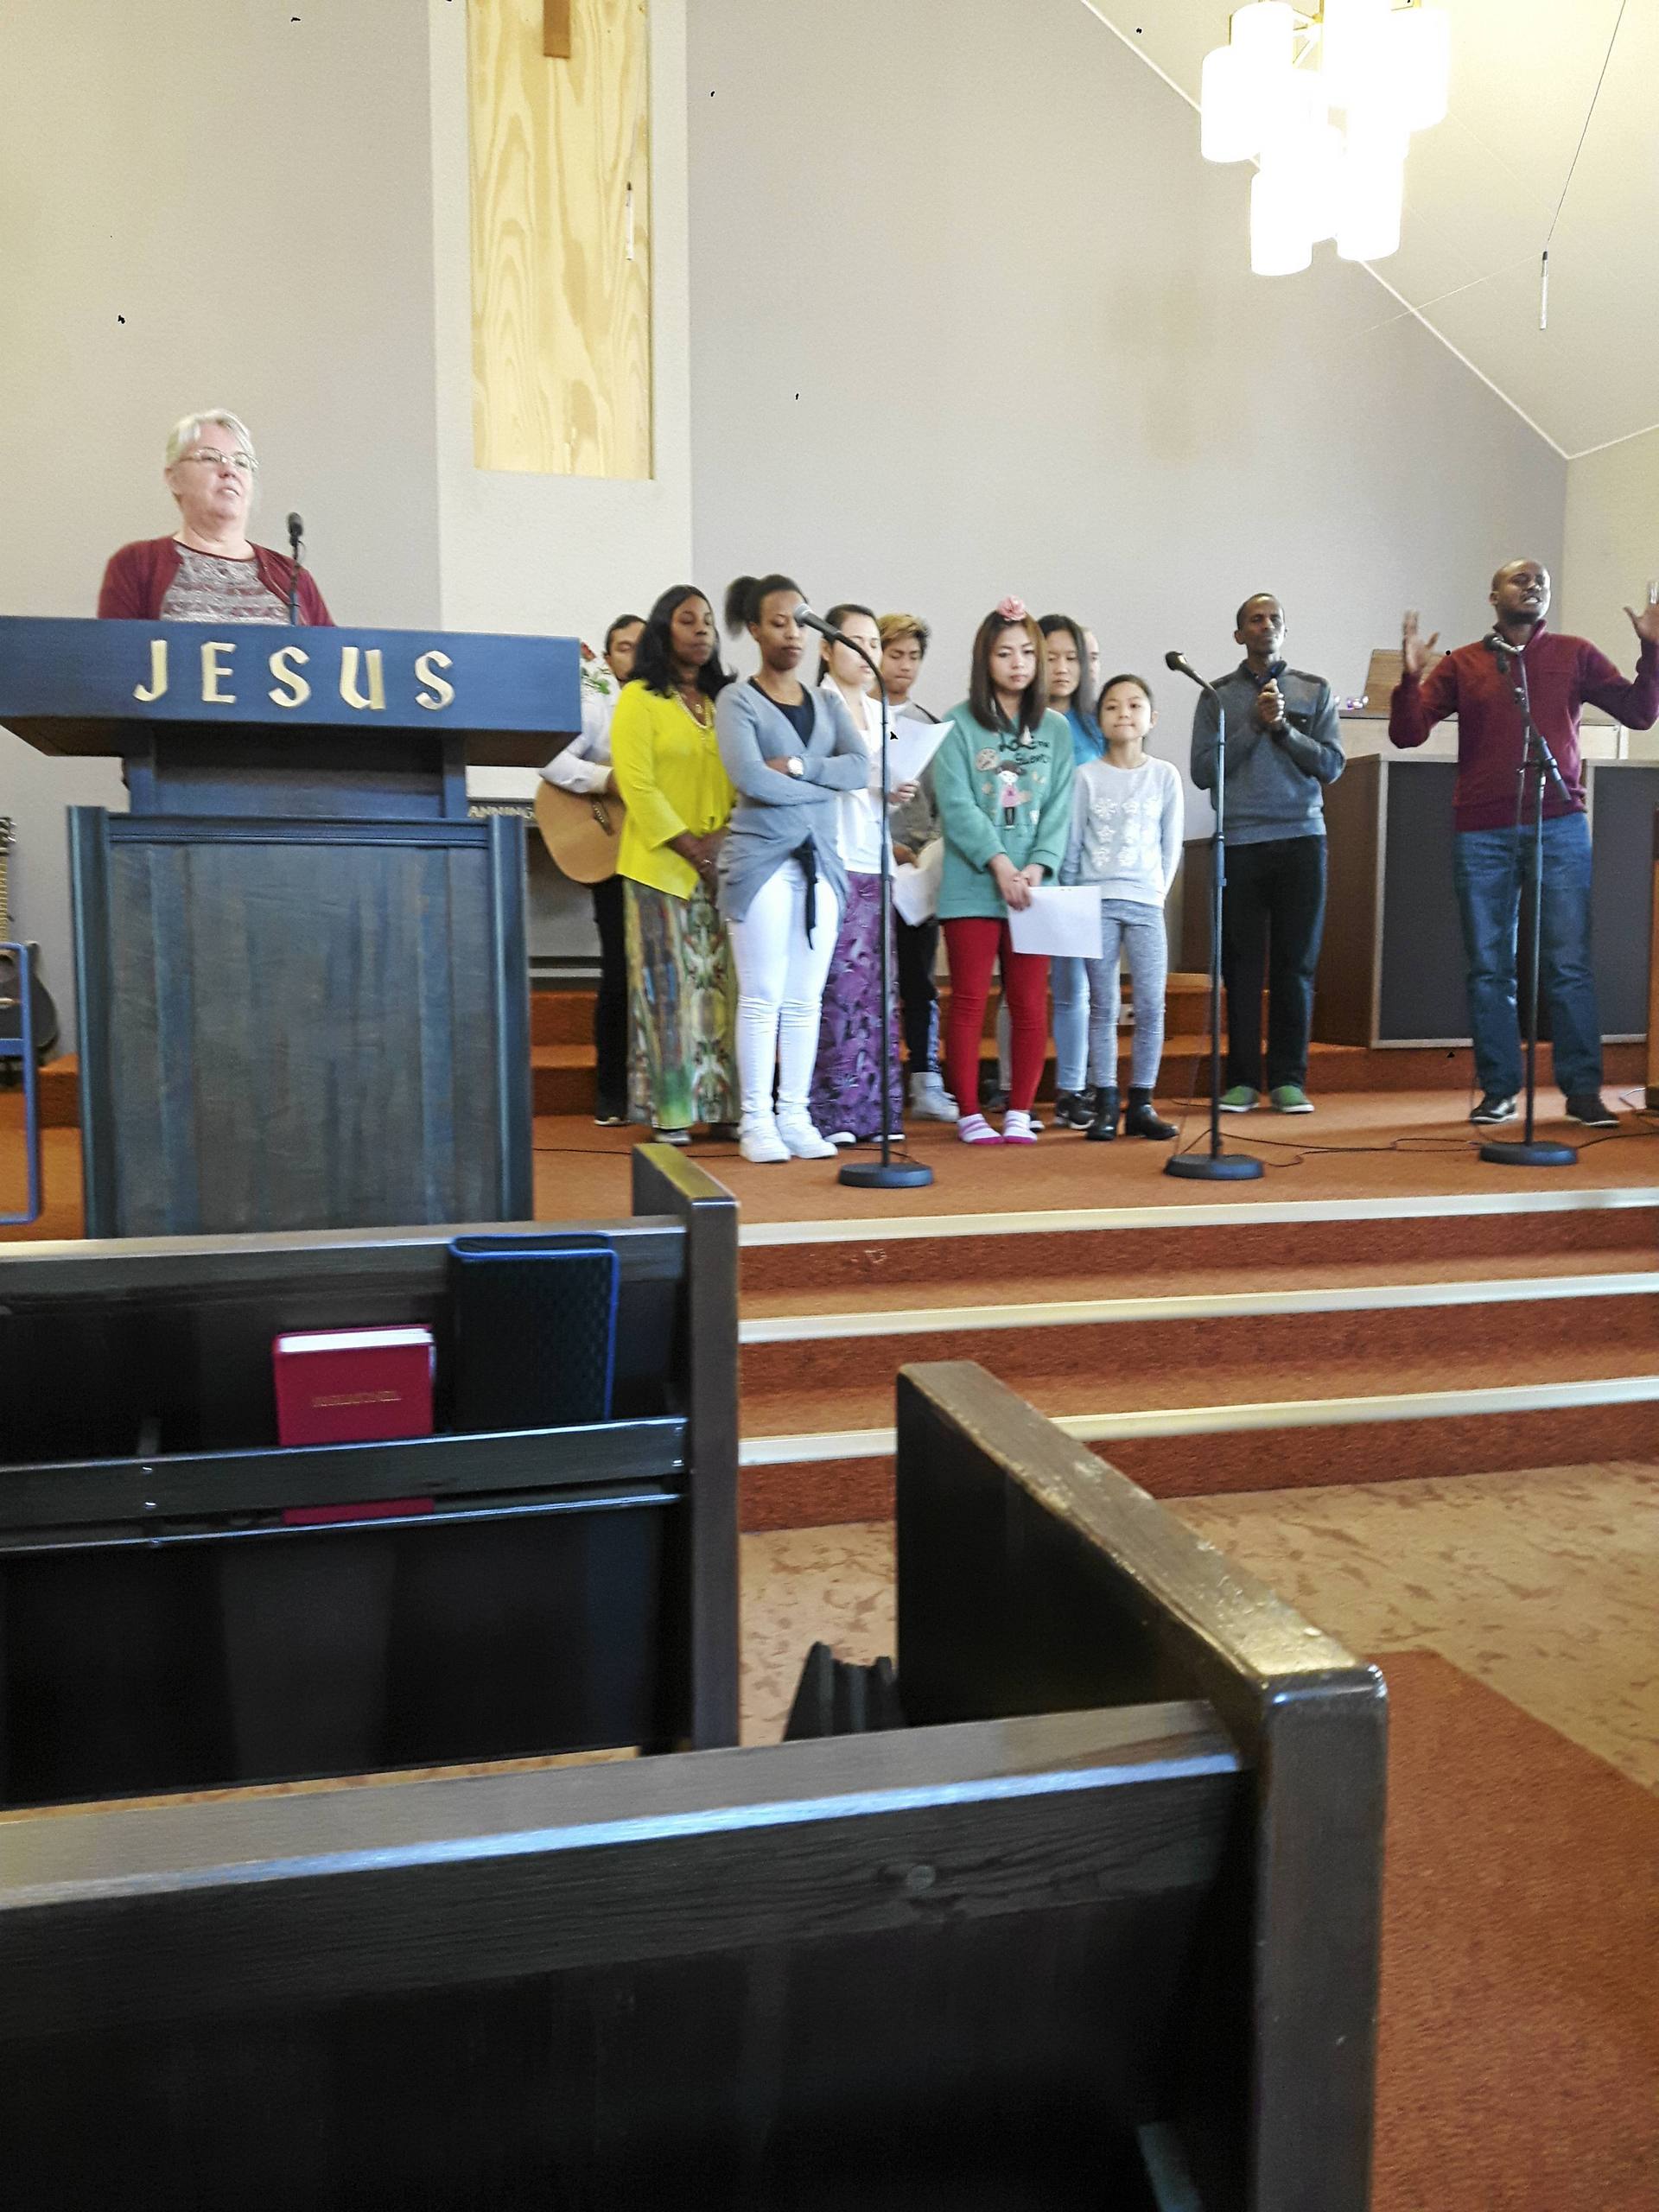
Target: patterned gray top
[(209, 588)]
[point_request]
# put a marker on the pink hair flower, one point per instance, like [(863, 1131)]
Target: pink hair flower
[(1013, 610)]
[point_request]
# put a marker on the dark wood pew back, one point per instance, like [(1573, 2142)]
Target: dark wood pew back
[(968, 1964), (163, 1627), (1034, 1578)]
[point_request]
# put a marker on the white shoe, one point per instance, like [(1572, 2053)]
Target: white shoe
[(930, 1101), (841, 1137), (1018, 1127), (803, 1140), (760, 1143)]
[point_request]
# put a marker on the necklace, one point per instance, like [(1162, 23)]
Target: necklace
[(700, 714)]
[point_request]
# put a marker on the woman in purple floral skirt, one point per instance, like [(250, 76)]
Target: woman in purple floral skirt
[(847, 1084)]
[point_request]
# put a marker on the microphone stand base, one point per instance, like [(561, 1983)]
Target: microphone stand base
[(885, 1175), (1537, 1154), (1213, 1167)]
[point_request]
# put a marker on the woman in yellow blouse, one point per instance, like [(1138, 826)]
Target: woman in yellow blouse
[(682, 984)]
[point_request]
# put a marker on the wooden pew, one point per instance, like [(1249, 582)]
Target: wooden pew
[(162, 1628), (1121, 1954)]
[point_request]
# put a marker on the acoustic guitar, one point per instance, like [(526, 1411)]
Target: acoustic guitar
[(582, 831), (12, 1010)]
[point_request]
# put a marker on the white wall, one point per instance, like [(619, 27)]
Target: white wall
[(970, 316), (207, 204), (1612, 542)]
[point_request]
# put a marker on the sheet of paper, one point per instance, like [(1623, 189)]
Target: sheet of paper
[(916, 884), (910, 745), (1062, 920)]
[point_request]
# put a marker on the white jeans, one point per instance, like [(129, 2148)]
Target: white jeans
[(779, 988)]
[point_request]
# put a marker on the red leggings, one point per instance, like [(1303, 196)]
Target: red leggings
[(973, 947)]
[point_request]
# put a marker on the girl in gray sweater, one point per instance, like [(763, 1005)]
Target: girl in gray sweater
[(1126, 818), (790, 753)]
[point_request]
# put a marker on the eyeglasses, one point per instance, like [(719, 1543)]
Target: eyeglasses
[(243, 463)]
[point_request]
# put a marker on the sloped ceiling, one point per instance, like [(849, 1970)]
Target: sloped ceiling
[(1481, 192)]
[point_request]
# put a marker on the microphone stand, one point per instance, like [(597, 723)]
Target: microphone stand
[(885, 1173), (1530, 1151), (294, 544), (1214, 1165)]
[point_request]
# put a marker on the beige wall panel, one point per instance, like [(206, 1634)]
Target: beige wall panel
[(561, 238)]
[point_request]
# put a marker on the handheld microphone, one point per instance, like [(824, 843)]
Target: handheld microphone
[(1182, 666), (295, 533)]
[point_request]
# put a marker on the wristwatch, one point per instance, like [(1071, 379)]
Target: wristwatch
[(795, 768)]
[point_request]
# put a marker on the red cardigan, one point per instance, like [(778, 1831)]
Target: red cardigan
[(135, 582)]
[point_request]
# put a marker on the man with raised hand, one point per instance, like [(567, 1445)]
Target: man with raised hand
[(1494, 809)]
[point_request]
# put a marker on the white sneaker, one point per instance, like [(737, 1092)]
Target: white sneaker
[(841, 1137), (760, 1143), (930, 1101), (803, 1141)]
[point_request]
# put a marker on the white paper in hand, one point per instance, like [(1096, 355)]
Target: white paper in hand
[(909, 747), (1062, 920), (916, 884)]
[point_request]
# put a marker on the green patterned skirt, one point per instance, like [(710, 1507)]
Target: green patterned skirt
[(682, 1011)]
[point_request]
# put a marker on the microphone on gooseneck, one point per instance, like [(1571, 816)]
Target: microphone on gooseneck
[(295, 534), (809, 621), (1182, 666)]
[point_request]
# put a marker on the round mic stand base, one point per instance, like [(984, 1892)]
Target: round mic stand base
[(1528, 1153), (1213, 1167), (885, 1175)]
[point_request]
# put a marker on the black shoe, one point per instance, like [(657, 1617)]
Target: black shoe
[(993, 1099), (1103, 1128), (1590, 1108), (609, 1115), (1072, 1110), (1496, 1106), (1141, 1120)]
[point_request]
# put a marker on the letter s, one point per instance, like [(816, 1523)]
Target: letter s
[(285, 667), (441, 694)]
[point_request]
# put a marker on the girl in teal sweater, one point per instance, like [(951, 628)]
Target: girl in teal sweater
[(1002, 781)]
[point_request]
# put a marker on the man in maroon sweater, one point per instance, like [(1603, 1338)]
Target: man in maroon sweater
[(1478, 684)]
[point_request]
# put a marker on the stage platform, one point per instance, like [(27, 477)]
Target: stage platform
[(1380, 1305)]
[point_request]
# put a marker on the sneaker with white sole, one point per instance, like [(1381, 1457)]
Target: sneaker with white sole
[(1592, 1110), (1241, 1099), (760, 1143), (1496, 1106), (930, 1101), (1289, 1098), (803, 1141)]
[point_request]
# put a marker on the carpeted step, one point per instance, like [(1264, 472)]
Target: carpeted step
[(1124, 1355)]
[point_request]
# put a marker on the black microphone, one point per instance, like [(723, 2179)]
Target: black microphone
[(296, 532), (1182, 666), (809, 621)]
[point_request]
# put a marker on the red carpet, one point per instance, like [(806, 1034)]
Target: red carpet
[(1519, 2035)]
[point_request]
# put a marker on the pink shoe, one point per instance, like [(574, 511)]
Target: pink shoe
[(974, 1128), (1017, 1129)]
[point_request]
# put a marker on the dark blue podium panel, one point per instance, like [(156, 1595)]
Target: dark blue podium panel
[(105, 687), (301, 1024)]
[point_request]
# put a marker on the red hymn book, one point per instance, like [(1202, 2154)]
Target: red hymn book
[(353, 1386)]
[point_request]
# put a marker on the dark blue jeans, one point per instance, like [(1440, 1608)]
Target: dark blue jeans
[(1490, 868)]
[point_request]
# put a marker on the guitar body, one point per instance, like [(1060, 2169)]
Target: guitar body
[(11, 1009), (582, 831)]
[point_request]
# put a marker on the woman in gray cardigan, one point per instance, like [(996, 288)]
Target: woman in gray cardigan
[(790, 752)]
